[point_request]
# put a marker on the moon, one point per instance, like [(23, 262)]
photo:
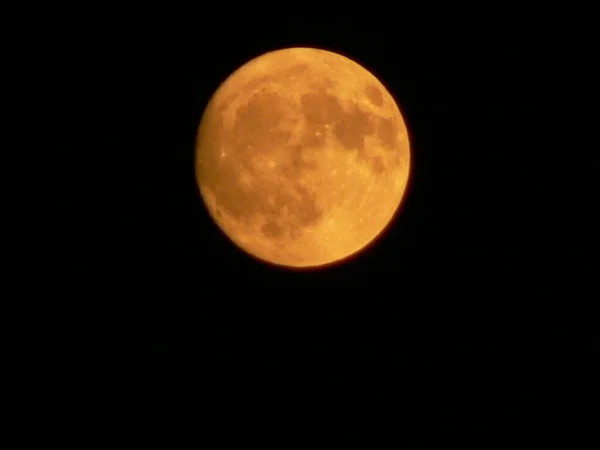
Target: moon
[(302, 157)]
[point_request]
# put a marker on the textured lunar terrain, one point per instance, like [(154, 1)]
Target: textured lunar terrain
[(302, 157)]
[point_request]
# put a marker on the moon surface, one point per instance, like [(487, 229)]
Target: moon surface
[(302, 157)]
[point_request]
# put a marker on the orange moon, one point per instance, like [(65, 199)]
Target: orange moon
[(302, 157)]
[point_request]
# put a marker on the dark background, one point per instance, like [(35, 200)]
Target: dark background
[(470, 314)]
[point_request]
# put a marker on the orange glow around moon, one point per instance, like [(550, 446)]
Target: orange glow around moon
[(302, 157)]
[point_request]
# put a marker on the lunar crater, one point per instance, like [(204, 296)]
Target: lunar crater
[(374, 95)]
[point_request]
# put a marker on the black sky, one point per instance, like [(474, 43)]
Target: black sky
[(461, 312)]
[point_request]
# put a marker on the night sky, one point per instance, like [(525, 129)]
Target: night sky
[(460, 318)]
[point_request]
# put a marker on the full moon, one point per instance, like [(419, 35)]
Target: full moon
[(302, 157)]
